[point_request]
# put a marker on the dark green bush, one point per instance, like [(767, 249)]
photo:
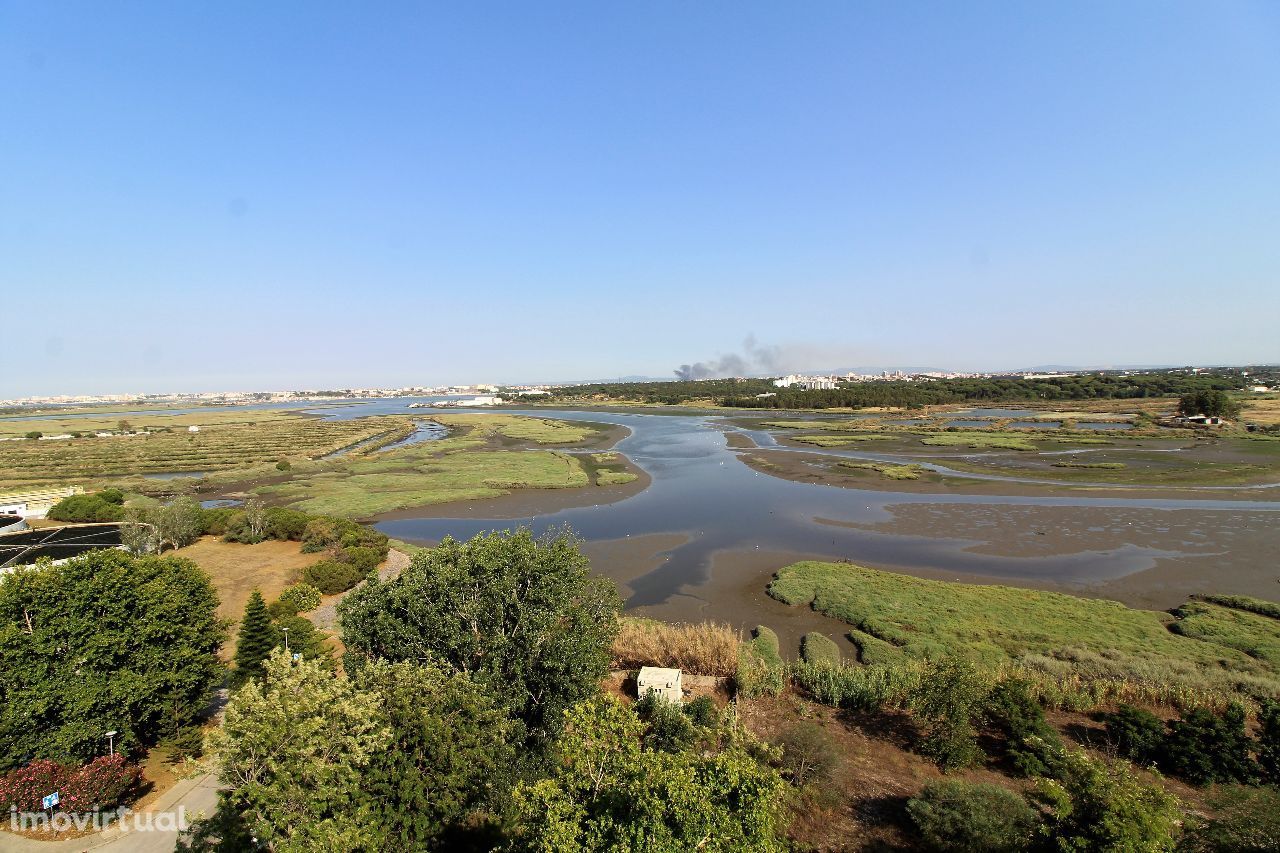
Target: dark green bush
[(1269, 742), (83, 508), (1204, 747), (972, 818), (365, 559), (1030, 743), (285, 524), (283, 465), (332, 577), (188, 742), (301, 597), (1135, 734), (112, 496)]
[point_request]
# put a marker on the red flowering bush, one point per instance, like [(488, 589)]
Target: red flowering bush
[(102, 783)]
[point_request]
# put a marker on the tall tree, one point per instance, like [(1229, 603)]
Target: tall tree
[(447, 756), (611, 793), (293, 749), (256, 639), (521, 614), (106, 641)]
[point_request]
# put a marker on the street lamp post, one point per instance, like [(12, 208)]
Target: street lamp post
[(286, 639), (111, 741)]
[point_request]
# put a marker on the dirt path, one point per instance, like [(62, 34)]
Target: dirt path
[(325, 617)]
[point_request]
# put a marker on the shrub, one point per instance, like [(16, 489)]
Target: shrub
[(216, 521), (808, 755), (972, 818), (760, 668), (1203, 747), (705, 648), (669, 729), (951, 691), (332, 577), (1269, 741), (1135, 734), (285, 524), (819, 648), (103, 783), (1030, 742), (82, 508), (1102, 805), (364, 558), (301, 597), (33, 435), (702, 711), (112, 496), (283, 465)]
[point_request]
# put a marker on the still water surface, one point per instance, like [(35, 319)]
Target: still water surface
[(701, 488)]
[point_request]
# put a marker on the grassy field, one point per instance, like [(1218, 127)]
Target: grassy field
[(1262, 409), (887, 470), (236, 570), (895, 618), (473, 462), (841, 440), (981, 440), (233, 441)]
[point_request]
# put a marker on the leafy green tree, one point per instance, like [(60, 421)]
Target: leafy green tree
[(179, 522), (610, 793), (1030, 742), (34, 434), (949, 697), (256, 639), (962, 817), (83, 508), (1102, 807), (294, 749), (304, 639), (521, 614), (1210, 402), (447, 756), (105, 641), (1205, 747), (1135, 734)]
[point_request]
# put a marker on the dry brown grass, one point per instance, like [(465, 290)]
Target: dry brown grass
[(236, 570), (1262, 410), (705, 648)]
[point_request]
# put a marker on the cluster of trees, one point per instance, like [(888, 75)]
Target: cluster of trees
[(470, 717), (1210, 402), (104, 642), (742, 392), (265, 628), (1201, 747), (1091, 386)]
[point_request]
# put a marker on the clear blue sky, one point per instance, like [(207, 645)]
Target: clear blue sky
[(263, 195)]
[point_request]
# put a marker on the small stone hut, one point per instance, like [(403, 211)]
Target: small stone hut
[(664, 682)]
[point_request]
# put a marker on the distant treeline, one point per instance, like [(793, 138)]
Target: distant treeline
[(742, 392)]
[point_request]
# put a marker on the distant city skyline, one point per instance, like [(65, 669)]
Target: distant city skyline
[(296, 195)]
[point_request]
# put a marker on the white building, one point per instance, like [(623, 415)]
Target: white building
[(664, 682), (193, 428)]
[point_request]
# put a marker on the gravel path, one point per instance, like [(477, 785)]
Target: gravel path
[(325, 617)]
